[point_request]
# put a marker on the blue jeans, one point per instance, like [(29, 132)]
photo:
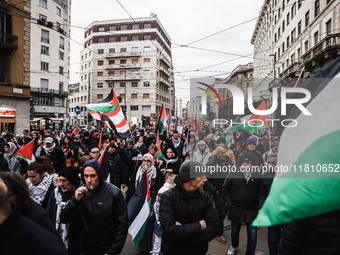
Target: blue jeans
[(274, 235), (251, 237)]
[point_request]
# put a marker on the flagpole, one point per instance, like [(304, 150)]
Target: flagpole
[(89, 101)]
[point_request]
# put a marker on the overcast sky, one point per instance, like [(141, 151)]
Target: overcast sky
[(185, 21)]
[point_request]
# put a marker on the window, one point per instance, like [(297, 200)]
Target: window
[(111, 84), (61, 70), (293, 10), (292, 58), (298, 53), (43, 3), (287, 19), (146, 107), (100, 62), (123, 38), (61, 55), (299, 27), (146, 96), (122, 50), (134, 84), (99, 85), (134, 49), (134, 60), (45, 50), (316, 37), (45, 36), (146, 84), (283, 5), (42, 18), (101, 29), (287, 41), (61, 43), (122, 96), (306, 46), (147, 48), (112, 28), (122, 61), (101, 40), (279, 32), (133, 96), (44, 83), (147, 37), (134, 107), (147, 25), (146, 72), (100, 51), (122, 73), (135, 26), (135, 38), (58, 26), (146, 60), (112, 50), (111, 73), (123, 27), (111, 61), (283, 26), (275, 37), (283, 47), (100, 74), (316, 8), (292, 35), (122, 84), (278, 53), (112, 39), (307, 19), (134, 73), (329, 27), (100, 96), (58, 11), (299, 4), (44, 66)]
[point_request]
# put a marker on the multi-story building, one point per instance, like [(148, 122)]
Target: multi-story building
[(262, 39), (307, 33), (178, 107), (50, 50), (241, 77), (134, 58), (14, 66)]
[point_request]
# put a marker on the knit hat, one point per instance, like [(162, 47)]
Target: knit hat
[(130, 141), (186, 168), (275, 144), (210, 137), (164, 188), (71, 174), (49, 140), (247, 157), (148, 156), (250, 140)]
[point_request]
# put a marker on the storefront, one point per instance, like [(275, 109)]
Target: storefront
[(7, 120)]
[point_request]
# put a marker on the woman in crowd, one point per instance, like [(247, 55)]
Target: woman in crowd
[(203, 154), (38, 141), (140, 145), (190, 148), (172, 162), (15, 163), (67, 144)]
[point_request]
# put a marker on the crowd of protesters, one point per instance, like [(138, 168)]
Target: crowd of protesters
[(62, 192)]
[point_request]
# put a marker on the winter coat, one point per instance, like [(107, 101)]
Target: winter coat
[(118, 171), (241, 198), (187, 208), (102, 215), (173, 163), (57, 157), (258, 158), (265, 184), (316, 235), (202, 157), (133, 152)]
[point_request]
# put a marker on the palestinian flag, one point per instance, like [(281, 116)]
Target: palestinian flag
[(104, 162), (74, 132), (311, 151), (162, 123), (100, 145), (26, 151), (111, 108), (257, 122), (159, 150), (139, 209)]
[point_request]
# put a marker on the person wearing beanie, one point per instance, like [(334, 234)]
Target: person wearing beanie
[(250, 146), (101, 210), (187, 215), (69, 180), (211, 142), (241, 196)]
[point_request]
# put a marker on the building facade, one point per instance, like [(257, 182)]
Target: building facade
[(134, 58), (50, 51), (242, 77), (14, 66)]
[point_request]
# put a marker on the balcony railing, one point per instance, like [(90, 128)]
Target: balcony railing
[(123, 66), (8, 41), (123, 54), (49, 91)]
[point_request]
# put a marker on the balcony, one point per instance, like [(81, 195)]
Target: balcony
[(8, 41), (123, 54), (123, 66), (119, 78), (48, 91), (164, 70), (165, 61)]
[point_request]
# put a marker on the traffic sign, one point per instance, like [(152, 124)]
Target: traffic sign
[(208, 107), (77, 110)]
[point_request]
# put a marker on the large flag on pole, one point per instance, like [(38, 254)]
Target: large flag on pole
[(159, 150), (139, 209), (111, 108), (162, 122), (74, 132), (26, 151), (104, 162), (311, 151)]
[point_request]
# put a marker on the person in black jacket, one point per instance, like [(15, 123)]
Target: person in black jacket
[(172, 162), (241, 195), (187, 216), (312, 236), (101, 210), (55, 153), (251, 147), (118, 169)]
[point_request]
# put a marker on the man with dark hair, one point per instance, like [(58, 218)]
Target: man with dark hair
[(130, 150), (69, 181), (187, 216), (77, 142), (94, 152), (101, 210), (177, 143), (88, 141), (55, 154)]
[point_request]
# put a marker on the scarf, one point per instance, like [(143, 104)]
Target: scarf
[(39, 191), (247, 176), (49, 150), (12, 149), (176, 142), (63, 229), (138, 144), (152, 173)]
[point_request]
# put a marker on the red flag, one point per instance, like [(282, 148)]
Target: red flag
[(100, 145), (159, 150), (74, 132), (45, 132), (257, 118), (300, 78), (26, 151), (104, 161)]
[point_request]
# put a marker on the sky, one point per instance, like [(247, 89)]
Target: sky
[(185, 22)]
